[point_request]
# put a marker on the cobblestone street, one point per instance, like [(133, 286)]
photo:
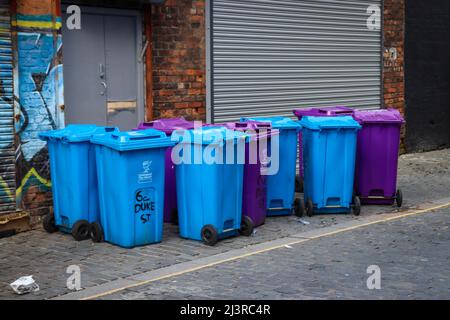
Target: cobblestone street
[(413, 254), (320, 266)]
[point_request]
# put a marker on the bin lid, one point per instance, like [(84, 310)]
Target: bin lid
[(254, 129), (321, 123), (325, 111), (133, 140), (167, 125), (379, 116), (76, 132), (215, 133), (246, 126), (277, 122)]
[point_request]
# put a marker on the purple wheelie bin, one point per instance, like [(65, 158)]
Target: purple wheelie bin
[(377, 156), (315, 112), (168, 126), (254, 200)]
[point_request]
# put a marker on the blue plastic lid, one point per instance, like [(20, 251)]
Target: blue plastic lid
[(214, 134), (76, 132), (133, 140), (277, 122), (321, 123)]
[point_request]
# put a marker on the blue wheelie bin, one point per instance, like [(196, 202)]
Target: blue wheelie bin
[(130, 170), (329, 153), (210, 192), (281, 186), (74, 179)]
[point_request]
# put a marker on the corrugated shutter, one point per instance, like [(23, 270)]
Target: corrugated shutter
[(270, 57), (7, 162)]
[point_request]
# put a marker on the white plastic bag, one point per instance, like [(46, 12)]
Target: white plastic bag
[(24, 285)]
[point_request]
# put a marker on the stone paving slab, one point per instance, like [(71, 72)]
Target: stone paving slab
[(423, 178)]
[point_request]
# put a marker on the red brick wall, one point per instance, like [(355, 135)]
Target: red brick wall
[(178, 31), (393, 72)]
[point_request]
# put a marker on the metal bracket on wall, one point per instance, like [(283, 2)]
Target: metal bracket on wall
[(144, 49)]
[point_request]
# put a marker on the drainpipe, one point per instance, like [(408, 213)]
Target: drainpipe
[(148, 63)]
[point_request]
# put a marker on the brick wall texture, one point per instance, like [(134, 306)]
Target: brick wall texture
[(393, 67), (178, 31)]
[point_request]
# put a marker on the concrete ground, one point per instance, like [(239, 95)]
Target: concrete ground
[(106, 269)]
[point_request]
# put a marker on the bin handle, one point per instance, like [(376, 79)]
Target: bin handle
[(336, 112), (137, 138), (110, 129), (148, 124), (264, 125)]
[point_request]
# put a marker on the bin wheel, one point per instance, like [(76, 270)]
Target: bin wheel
[(81, 230), (299, 208), (399, 198), (49, 223), (298, 184), (247, 226), (96, 232), (356, 208), (309, 208), (209, 235)]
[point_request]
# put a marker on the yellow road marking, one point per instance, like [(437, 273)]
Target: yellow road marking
[(396, 217)]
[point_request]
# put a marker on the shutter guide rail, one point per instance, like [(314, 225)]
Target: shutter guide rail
[(7, 151)]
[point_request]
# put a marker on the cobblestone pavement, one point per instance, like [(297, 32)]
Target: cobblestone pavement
[(423, 178), (412, 253)]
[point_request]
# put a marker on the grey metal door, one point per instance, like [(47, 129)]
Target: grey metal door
[(101, 70)]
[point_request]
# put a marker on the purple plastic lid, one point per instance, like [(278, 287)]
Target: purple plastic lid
[(252, 126), (167, 125), (245, 126), (378, 116), (323, 112)]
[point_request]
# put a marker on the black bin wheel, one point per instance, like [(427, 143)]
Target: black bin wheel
[(309, 208), (399, 198), (298, 184), (209, 235), (299, 208), (96, 232), (247, 226), (356, 208), (81, 230), (49, 223)]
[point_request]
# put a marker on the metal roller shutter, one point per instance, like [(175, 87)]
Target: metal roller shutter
[(269, 57), (7, 163)]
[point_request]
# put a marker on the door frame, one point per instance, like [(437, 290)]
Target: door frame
[(140, 103)]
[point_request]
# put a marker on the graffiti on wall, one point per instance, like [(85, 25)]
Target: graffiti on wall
[(40, 103)]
